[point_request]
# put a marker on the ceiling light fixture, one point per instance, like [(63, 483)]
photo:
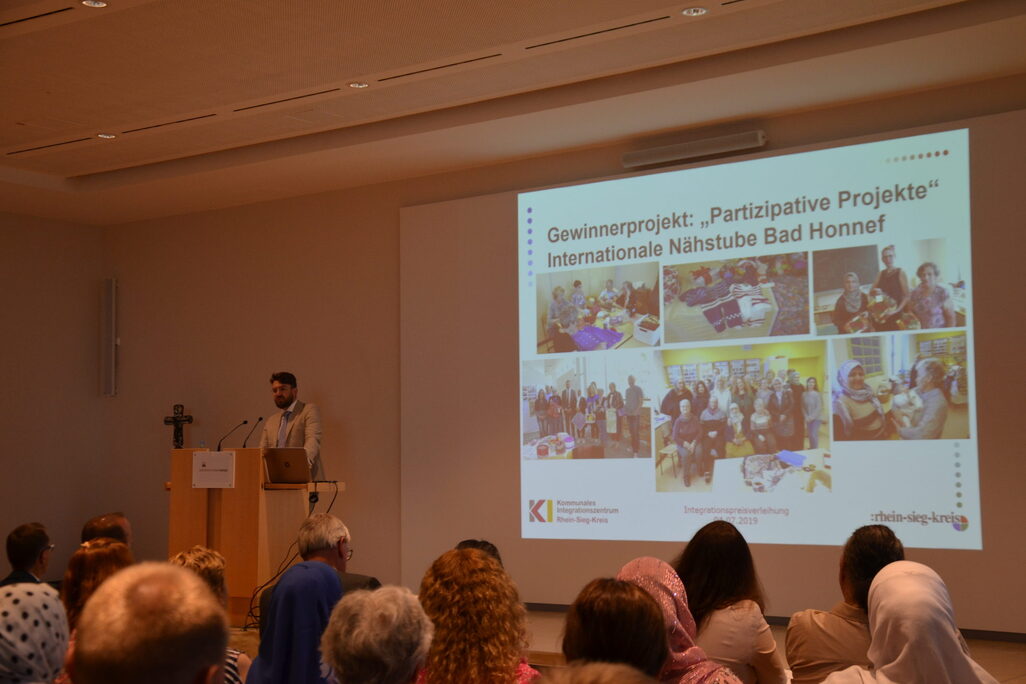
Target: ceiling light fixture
[(106, 136), (694, 11), (94, 3), (357, 84)]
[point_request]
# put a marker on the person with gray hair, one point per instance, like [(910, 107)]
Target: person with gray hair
[(319, 539), (299, 607), (320, 535), (377, 637), (154, 623), (929, 424)]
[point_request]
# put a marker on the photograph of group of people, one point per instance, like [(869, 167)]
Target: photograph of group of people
[(749, 297), (877, 288), (587, 407), (901, 386), (730, 402), (611, 307)]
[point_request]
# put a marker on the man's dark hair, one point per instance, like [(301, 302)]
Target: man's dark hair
[(25, 543), (481, 545), (285, 378), (865, 553), (107, 525)]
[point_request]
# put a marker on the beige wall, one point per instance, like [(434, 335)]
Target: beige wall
[(211, 303), (56, 460)]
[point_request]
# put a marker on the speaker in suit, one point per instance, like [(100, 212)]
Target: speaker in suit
[(303, 429)]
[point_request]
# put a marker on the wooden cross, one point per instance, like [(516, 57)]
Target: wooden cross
[(178, 419)]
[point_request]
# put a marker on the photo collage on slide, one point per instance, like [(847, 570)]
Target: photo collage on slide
[(772, 333), (875, 350)]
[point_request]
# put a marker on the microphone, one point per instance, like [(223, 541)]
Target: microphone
[(259, 420), (230, 432)]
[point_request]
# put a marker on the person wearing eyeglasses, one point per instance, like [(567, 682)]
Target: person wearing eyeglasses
[(297, 608), (28, 551)]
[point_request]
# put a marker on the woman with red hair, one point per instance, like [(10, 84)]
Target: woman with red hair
[(480, 623)]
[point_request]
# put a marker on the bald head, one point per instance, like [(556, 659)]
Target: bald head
[(152, 622)]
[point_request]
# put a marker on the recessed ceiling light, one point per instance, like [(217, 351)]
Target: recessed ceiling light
[(694, 11), (94, 3), (106, 136), (358, 84)]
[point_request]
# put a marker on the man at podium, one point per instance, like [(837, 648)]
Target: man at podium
[(298, 424)]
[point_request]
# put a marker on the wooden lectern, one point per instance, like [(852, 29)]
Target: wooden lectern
[(252, 525)]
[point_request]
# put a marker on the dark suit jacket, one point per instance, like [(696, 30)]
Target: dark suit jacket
[(782, 412)]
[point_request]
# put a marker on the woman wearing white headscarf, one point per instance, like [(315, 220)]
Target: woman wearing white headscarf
[(33, 634), (858, 414), (913, 636)]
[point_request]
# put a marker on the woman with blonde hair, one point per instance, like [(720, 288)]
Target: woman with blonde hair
[(210, 566), (480, 623)]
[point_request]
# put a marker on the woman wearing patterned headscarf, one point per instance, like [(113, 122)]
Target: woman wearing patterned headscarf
[(858, 414), (913, 635), (33, 634), (687, 664)]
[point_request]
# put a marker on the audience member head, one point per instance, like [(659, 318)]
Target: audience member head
[(154, 623), (481, 545), (324, 537), (866, 552), (480, 624), (33, 633), (914, 636), (686, 662), (91, 564), (614, 621), (111, 525), (717, 568), (208, 564), (377, 637), (596, 673), (28, 549)]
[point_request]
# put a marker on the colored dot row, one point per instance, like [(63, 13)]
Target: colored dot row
[(530, 241), (914, 157)]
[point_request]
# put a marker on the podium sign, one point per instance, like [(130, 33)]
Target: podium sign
[(213, 469), (250, 521)]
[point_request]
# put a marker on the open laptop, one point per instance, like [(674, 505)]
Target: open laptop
[(286, 465)]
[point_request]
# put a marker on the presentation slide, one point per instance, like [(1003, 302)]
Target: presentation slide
[(784, 343)]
